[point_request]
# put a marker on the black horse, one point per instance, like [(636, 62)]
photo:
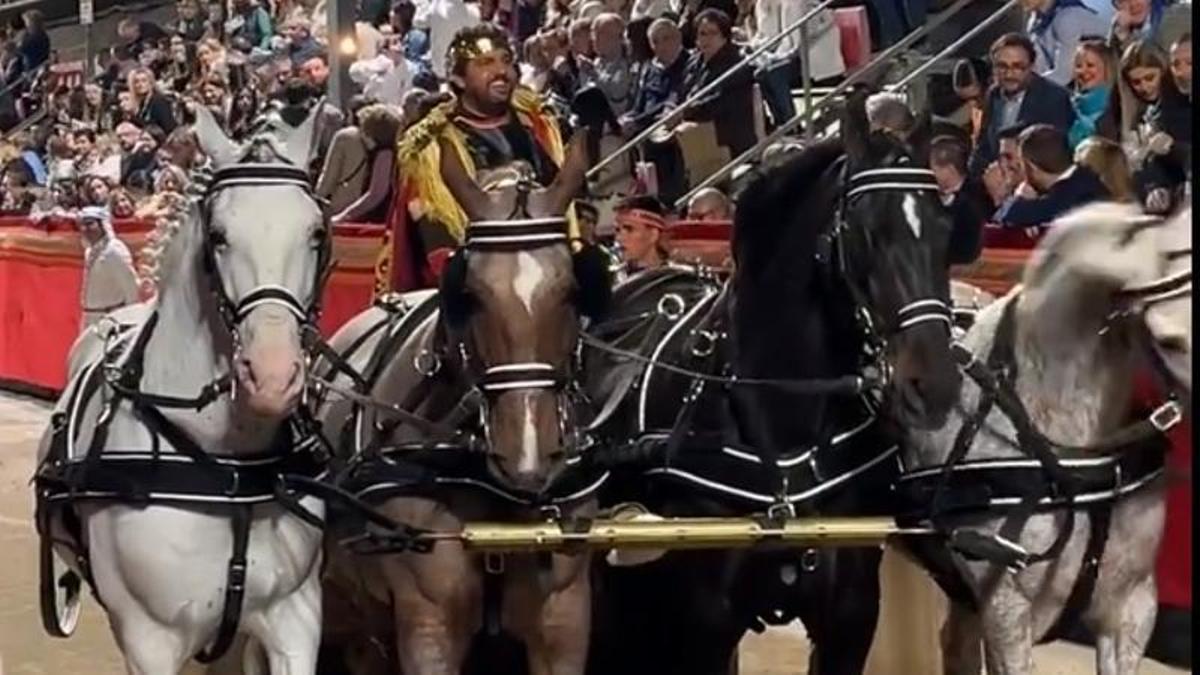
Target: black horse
[(840, 258)]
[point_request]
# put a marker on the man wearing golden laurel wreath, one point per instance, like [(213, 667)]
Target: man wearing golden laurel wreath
[(489, 122)]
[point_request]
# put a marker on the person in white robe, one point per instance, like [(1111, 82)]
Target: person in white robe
[(109, 279)]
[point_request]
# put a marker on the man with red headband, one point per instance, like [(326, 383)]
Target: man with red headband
[(641, 233), (489, 122)]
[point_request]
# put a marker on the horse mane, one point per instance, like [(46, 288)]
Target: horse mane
[(771, 207), (157, 259), (1089, 220)]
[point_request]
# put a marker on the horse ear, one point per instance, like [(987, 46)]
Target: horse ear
[(464, 188), (212, 138), (856, 130), (299, 141)]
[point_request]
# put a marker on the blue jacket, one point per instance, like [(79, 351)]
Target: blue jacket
[(1089, 106), (1044, 103), (1056, 33), (1080, 187), (656, 86)]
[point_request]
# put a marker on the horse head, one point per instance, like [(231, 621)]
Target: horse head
[(891, 246), (265, 247), (1109, 269), (511, 300)]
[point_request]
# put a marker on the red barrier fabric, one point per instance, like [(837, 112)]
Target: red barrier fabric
[(40, 272)]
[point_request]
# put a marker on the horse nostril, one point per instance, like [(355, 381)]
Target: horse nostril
[(247, 371)]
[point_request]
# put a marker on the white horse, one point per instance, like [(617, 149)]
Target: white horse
[(239, 280), (1103, 291)]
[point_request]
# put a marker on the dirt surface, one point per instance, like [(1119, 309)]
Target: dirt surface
[(26, 650)]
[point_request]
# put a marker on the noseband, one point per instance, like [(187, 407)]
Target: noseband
[(916, 312), (233, 312)]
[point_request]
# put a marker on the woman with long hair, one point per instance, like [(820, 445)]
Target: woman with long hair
[(1108, 161)]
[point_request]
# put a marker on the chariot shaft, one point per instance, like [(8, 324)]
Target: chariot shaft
[(681, 533)]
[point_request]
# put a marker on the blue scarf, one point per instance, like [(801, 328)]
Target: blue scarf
[(1089, 106)]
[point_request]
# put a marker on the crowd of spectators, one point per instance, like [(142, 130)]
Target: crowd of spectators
[(1092, 100)]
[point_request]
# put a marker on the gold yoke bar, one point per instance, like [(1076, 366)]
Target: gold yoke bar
[(680, 533)]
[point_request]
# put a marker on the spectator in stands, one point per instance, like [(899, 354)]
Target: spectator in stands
[(183, 69), (151, 106), (34, 44), (1018, 97), (1181, 64), (970, 82), (182, 150), (1156, 127), (385, 78), (649, 9), (414, 43), (190, 23), (731, 106), (1054, 184), (1056, 27), (1095, 74), (379, 125), (691, 11), (249, 26), (965, 197), (170, 184), (301, 45), (212, 59), (710, 204), (442, 19), (96, 191), (610, 69), (897, 18), (121, 204), (139, 36), (888, 111), (1108, 161), (139, 159), (20, 191), (661, 81), (1158, 21), (565, 74), (641, 232), (780, 67), (315, 71), (535, 66), (1006, 174)]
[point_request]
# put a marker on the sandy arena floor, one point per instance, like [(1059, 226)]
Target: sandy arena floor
[(26, 650)]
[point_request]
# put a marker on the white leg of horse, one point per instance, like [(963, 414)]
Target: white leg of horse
[(1006, 618), (1119, 649), (962, 651), (290, 630), (149, 647)]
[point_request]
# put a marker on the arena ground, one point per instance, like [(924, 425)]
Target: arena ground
[(26, 650)]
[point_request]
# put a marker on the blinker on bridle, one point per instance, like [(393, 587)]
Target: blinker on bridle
[(233, 312), (903, 179)]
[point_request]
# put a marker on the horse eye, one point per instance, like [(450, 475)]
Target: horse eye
[(319, 237), (218, 239)]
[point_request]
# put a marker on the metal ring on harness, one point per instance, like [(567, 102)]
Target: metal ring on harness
[(704, 343), (671, 306), (427, 362)]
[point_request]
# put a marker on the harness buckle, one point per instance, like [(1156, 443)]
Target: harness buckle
[(782, 510), (704, 343), (550, 512), (237, 576), (1166, 416), (671, 306), (235, 484), (493, 563)]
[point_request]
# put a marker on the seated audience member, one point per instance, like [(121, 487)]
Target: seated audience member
[(1108, 161), (965, 197), (641, 233), (1181, 65), (109, 280), (661, 80), (731, 106), (889, 112), (1019, 97), (1056, 27), (1159, 21), (150, 106), (970, 80), (610, 69), (1155, 125), (1095, 73), (710, 204), (1054, 184)]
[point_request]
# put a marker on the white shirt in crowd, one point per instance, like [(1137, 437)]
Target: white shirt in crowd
[(824, 39), (649, 8), (444, 18), (382, 78)]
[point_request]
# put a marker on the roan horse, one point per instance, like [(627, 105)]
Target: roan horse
[(1107, 289), (493, 357), (820, 277), (162, 498)]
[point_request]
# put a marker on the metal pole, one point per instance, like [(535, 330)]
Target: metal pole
[(806, 75), (704, 91), (843, 86), (954, 46), (340, 19)]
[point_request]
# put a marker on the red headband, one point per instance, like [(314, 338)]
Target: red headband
[(642, 217)]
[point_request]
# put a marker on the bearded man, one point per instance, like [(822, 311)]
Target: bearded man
[(490, 122)]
